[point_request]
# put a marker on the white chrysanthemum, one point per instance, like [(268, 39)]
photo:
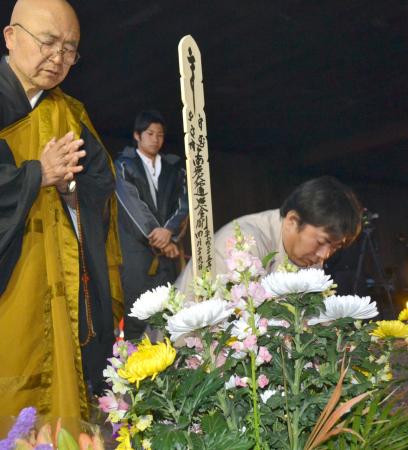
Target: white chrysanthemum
[(306, 280), (197, 316), (338, 307), (151, 302)]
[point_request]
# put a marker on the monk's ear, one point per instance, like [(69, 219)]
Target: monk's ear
[(10, 37), (292, 220)]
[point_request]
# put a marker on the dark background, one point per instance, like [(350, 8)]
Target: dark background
[(294, 89)]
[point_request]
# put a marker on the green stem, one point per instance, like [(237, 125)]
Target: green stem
[(297, 377), (231, 422), (254, 392), (285, 386), (255, 402)]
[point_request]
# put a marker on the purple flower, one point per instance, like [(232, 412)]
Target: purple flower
[(44, 447), (123, 349), (24, 424)]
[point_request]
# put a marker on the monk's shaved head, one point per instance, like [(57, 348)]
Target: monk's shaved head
[(25, 8), (36, 27)]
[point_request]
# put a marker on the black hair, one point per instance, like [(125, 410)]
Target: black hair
[(325, 202), (145, 118)]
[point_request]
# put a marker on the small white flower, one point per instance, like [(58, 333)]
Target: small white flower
[(278, 284), (241, 328), (266, 395), (199, 315), (119, 385), (116, 363), (230, 384), (338, 307), (151, 302), (278, 323)]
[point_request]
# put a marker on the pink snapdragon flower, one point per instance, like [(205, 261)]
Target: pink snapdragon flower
[(241, 382), (263, 356), (262, 326), (230, 244), (221, 357), (238, 261), (194, 342), (257, 292), (238, 292), (250, 343), (256, 269), (263, 381), (109, 403), (194, 362)]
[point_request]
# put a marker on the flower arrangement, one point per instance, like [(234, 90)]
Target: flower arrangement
[(255, 362)]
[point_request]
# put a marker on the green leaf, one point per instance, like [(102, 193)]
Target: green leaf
[(168, 437), (197, 389), (213, 423), (65, 441), (267, 259), (226, 441)]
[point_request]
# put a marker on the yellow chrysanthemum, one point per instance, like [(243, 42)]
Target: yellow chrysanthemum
[(403, 315), (124, 439), (148, 361), (391, 328)]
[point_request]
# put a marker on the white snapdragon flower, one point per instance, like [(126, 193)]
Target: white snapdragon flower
[(198, 315), (338, 307), (241, 328), (151, 302), (119, 384), (230, 384), (278, 284), (266, 395)]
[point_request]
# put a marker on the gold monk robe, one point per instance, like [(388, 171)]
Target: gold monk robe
[(39, 309)]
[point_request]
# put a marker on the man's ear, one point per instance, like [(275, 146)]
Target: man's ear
[(9, 37), (292, 220), (136, 136)]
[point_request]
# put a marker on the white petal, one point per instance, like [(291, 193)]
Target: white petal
[(197, 316), (150, 302), (303, 281), (338, 307)]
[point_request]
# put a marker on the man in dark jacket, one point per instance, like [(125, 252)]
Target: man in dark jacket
[(153, 206)]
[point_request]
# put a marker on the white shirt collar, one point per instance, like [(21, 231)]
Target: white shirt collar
[(34, 100), (153, 169)]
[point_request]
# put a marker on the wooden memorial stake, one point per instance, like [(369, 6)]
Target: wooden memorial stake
[(196, 148)]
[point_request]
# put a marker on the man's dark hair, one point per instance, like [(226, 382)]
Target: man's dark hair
[(325, 202), (145, 118)]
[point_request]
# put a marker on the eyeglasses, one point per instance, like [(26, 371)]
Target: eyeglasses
[(52, 48)]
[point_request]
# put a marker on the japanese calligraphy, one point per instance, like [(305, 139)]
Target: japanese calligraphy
[(198, 171)]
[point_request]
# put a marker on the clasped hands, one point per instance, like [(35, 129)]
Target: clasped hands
[(59, 161), (161, 238)]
